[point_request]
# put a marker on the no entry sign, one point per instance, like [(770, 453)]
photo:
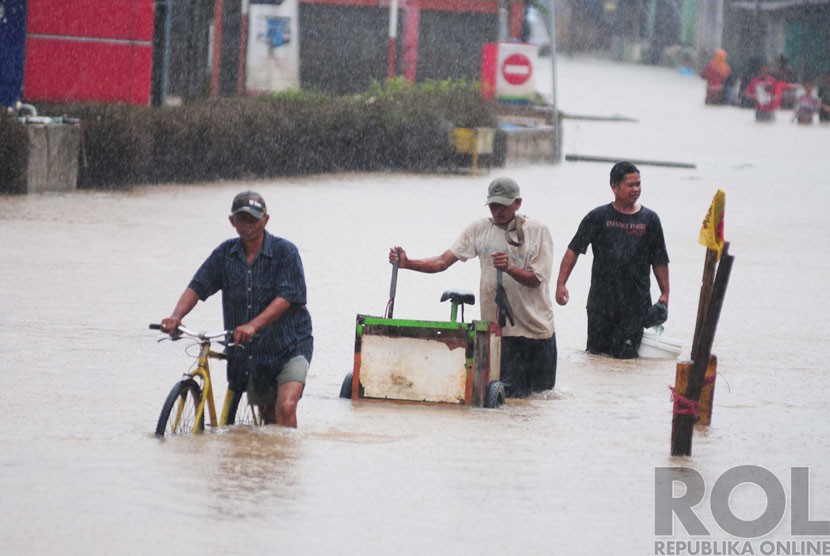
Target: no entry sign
[(517, 69), (507, 71)]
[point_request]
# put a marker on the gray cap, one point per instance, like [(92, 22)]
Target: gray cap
[(250, 202), (503, 191)]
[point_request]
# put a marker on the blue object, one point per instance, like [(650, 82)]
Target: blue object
[(12, 50), (278, 31)]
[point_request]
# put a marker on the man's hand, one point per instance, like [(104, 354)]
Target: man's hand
[(170, 325), (501, 260), (403, 261), (242, 334), (562, 295)]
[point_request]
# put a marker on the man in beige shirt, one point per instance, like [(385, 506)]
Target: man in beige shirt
[(522, 249)]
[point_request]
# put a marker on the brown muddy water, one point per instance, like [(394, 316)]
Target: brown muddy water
[(567, 472)]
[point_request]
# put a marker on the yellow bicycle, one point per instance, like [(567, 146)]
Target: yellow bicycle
[(184, 409)]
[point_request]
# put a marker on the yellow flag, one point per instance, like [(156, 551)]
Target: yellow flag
[(711, 233)]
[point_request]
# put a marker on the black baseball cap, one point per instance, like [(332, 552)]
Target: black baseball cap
[(250, 202)]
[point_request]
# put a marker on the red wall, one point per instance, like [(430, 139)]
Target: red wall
[(89, 50)]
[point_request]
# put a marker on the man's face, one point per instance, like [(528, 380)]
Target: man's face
[(628, 190), (503, 214), (248, 227)]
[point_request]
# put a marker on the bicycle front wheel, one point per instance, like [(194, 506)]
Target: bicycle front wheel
[(179, 415)]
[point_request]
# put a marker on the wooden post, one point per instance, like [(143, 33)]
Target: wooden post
[(705, 295), (686, 406), (707, 394)]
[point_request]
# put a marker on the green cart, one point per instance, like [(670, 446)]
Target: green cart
[(430, 362)]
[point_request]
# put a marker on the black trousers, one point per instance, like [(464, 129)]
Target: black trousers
[(527, 365), (614, 333)]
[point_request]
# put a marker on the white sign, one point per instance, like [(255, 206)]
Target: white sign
[(514, 75), (273, 56)]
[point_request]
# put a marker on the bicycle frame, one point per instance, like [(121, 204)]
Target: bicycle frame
[(202, 371)]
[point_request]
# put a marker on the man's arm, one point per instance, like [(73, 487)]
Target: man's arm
[(565, 268), (271, 313), (661, 273), (430, 265), (186, 302)]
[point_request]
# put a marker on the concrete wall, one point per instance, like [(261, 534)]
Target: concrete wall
[(529, 145), (52, 163)]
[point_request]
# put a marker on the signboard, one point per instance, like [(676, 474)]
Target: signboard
[(507, 71), (516, 69), (273, 56)]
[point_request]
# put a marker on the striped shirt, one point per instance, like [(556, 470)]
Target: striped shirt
[(277, 271)]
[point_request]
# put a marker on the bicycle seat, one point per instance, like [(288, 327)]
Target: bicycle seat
[(459, 296)]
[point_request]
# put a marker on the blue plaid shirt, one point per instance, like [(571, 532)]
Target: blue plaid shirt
[(247, 290)]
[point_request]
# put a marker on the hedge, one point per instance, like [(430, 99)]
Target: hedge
[(394, 127)]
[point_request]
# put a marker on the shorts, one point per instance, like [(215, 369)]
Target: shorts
[(614, 334), (264, 382)]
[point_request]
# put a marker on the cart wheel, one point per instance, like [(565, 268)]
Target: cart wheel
[(495, 395), (346, 388)]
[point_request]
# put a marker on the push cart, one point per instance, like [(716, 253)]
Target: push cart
[(448, 363)]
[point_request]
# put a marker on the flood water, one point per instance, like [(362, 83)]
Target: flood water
[(567, 472)]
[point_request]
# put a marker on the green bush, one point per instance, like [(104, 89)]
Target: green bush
[(398, 126)]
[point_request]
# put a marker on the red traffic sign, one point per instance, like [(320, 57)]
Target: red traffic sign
[(516, 69)]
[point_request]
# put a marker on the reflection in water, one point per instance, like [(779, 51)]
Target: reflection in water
[(564, 472), (253, 464)]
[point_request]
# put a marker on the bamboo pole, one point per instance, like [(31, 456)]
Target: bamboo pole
[(686, 407)]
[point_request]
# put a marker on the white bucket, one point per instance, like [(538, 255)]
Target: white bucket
[(657, 346)]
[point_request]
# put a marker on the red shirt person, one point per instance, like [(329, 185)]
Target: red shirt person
[(767, 91)]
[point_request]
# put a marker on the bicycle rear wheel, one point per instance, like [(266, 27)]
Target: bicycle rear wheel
[(178, 415), (240, 412)]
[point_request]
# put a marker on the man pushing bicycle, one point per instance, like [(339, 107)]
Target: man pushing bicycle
[(264, 304)]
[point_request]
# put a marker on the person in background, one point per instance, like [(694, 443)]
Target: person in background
[(627, 242), (785, 73), (808, 104), (766, 91), (751, 71), (264, 304), (716, 72), (521, 249)]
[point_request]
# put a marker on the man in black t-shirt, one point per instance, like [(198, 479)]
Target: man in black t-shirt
[(627, 242)]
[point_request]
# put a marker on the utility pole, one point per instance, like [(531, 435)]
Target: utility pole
[(557, 139), (216, 62)]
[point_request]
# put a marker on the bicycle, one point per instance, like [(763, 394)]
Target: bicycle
[(184, 409)]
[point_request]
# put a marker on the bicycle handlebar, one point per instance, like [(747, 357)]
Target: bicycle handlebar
[(193, 334)]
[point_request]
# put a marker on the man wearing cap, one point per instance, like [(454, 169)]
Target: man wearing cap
[(627, 242), (264, 304), (522, 250)]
